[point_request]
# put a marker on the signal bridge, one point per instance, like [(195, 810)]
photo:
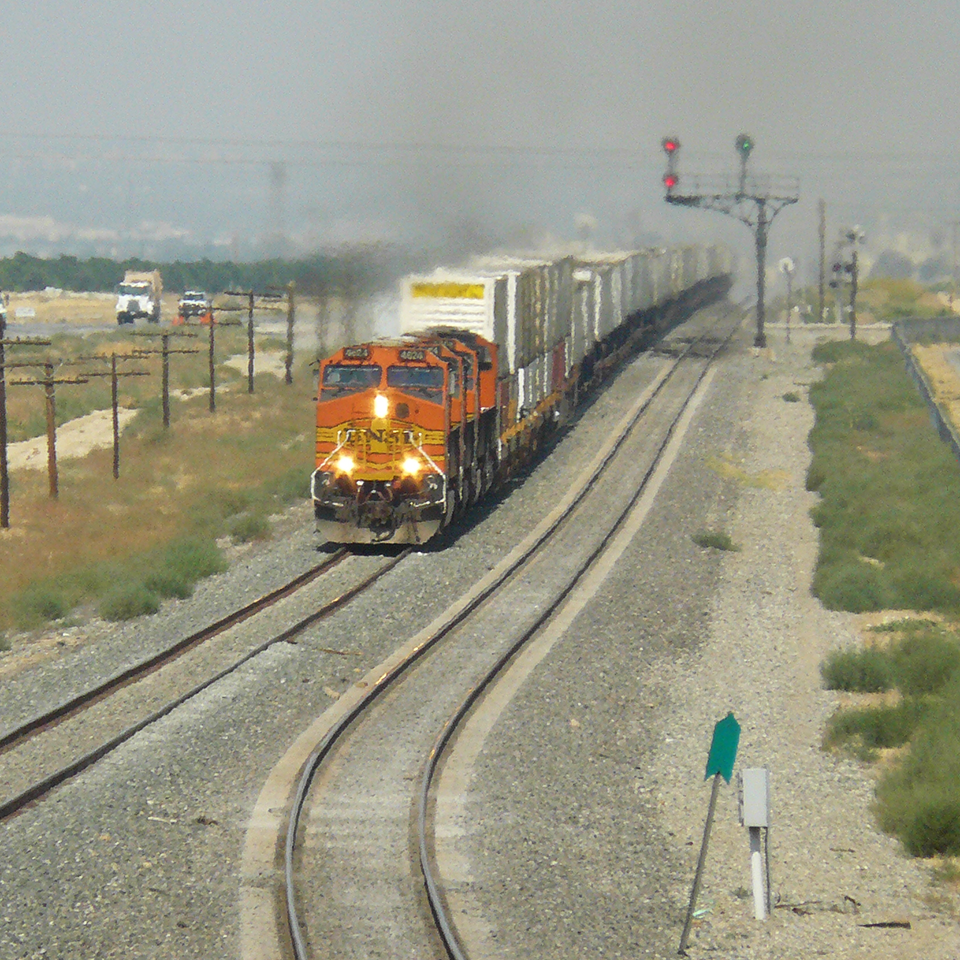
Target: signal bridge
[(728, 194), (753, 199)]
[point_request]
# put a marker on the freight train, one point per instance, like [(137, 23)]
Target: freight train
[(490, 361)]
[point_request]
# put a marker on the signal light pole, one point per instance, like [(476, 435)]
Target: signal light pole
[(753, 200), (854, 237)]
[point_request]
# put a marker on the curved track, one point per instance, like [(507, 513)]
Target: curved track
[(527, 612), (50, 735)]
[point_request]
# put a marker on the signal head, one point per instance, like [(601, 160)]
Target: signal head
[(671, 145), (744, 144), (670, 180)]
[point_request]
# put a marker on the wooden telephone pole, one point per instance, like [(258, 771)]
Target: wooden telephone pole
[(4, 465)]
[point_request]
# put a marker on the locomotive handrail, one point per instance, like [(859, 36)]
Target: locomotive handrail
[(426, 456), (340, 445)]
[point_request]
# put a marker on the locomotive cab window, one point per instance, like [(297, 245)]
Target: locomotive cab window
[(350, 378), (423, 382)]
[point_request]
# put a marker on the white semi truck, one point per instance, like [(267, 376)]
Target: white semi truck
[(139, 296)]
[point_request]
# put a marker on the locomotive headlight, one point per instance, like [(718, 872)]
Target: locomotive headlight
[(411, 466), (381, 406), (345, 464)]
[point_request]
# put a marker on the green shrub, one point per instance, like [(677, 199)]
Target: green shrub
[(855, 586), (932, 827), (39, 604), (909, 625), (919, 800), (815, 477), (193, 559), (291, 486), (225, 503), (924, 663), (873, 728), (925, 589), (889, 489), (791, 397), (866, 670), (715, 539), (173, 571), (248, 527), (169, 583), (127, 601)]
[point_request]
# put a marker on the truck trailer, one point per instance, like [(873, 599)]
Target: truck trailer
[(138, 296)]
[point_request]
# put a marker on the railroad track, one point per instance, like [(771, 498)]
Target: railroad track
[(42, 753), (358, 814)]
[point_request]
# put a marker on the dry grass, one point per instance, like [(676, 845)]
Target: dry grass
[(192, 481), (70, 307), (943, 376)]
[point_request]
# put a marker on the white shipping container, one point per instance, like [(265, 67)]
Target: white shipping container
[(523, 303), (582, 324), (645, 292), (534, 383), (482, 304), (543, 298)]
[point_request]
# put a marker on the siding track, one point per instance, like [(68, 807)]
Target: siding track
[(54, 746)]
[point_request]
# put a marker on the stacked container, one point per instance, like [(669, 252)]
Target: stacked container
[(547, 315)]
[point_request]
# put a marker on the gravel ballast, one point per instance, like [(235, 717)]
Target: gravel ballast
[(591, 807), (590, 800)]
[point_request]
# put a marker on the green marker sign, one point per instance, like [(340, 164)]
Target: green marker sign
[(723, 749)]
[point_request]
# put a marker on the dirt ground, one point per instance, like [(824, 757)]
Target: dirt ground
[(62, 306), (75, 439), (943, 375)]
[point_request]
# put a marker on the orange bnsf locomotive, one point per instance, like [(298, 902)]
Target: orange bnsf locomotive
[(491, 359), (407, 434)]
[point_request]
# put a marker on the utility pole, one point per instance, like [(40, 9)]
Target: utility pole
[(854, 238), (788, 268), (823, 252), (753, 200), (49, 382), (250, 343), (212, 365), (165, 352), (953, 271), (4, 463), (291, 313), (114, 374)]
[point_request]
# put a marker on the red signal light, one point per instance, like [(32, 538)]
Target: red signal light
[(670, 145), (670, 180)]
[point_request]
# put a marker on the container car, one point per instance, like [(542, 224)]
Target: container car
[(492, 358)]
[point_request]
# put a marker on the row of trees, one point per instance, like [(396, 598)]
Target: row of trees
[(355, 271)]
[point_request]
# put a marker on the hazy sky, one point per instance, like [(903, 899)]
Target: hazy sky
[(129, 123)]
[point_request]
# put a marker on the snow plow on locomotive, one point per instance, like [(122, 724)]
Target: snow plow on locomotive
[(491, 359)]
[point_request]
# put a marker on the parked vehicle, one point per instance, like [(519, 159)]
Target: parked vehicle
[(193, 303), (138, 296)]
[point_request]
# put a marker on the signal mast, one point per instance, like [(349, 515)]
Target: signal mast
[(754, 200)]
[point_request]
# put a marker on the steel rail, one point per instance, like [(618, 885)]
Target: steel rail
[(95, 694), (15, 804), (445, 924), (462, 611)]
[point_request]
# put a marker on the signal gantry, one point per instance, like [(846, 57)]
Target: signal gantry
[(754, 200)]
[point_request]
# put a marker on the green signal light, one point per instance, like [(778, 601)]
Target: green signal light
[(744, 144)]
